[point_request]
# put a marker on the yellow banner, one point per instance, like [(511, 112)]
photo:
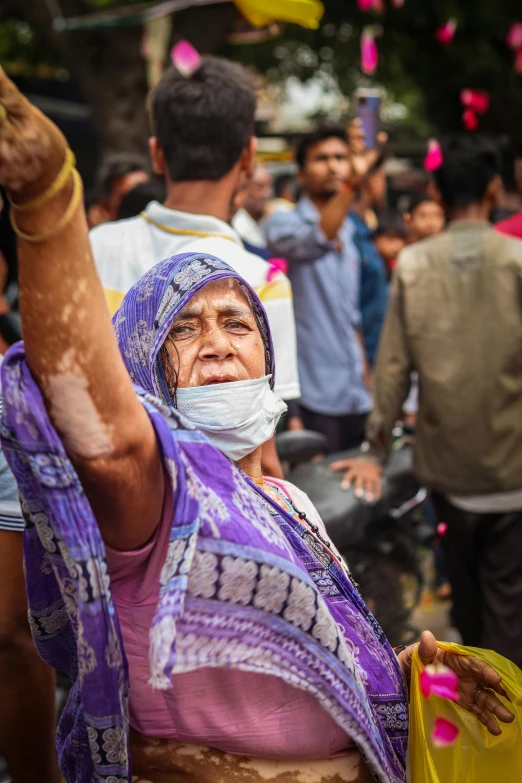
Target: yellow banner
[(307, 13)]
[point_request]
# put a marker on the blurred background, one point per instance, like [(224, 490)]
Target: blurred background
[(89, 64)]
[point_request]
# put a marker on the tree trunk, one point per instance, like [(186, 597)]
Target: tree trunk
[(108, 68)]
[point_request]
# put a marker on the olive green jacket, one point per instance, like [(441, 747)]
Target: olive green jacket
[(455, 316)]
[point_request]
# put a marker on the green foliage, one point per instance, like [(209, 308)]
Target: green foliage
[(414, 67)]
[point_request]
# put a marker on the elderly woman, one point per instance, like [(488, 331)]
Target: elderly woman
[(188, 597)]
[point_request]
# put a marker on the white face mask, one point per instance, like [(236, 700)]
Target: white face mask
[(236, 417)]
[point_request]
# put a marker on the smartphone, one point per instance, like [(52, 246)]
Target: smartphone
[(368, 110)]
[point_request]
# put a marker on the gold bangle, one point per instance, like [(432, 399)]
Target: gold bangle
[(54, 188), (64, 220)]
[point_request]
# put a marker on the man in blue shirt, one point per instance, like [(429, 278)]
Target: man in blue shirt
[(317, 239)]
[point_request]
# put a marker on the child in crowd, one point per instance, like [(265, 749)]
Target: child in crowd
[(389, 239), (424, 219)]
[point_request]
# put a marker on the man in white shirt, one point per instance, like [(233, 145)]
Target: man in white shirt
[(203, 146)]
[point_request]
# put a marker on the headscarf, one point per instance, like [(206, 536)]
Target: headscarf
[(244, 584)]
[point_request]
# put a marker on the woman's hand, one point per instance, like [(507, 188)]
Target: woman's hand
[(478, 682)]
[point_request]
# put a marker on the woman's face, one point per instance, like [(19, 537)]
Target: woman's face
[(216, 337)]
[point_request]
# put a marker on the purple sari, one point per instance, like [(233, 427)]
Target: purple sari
[(244, 585)]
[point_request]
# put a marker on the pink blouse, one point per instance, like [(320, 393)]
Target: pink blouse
[(233, 711)]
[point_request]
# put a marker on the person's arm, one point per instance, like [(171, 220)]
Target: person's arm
[(69, 341), (299, 242), (367, 370), (391, 383)]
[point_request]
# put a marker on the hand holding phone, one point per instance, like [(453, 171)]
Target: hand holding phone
[(368, 110)]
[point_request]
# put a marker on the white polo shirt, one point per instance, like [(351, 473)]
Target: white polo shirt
[(124, 250)]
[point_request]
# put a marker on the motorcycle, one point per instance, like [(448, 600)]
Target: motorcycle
[(379, 540)]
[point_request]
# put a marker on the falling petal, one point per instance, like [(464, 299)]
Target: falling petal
[(276, 265), (369, 52), (442, 528), (433, 159), (185, 58), (446, 33), (514, 36), (371, 5), (439, 681), (476, 100), (518, 61), (444, 733), (398, 3), (470, 120)]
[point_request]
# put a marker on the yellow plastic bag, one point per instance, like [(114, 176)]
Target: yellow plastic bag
[(259, 13), (476, 756)]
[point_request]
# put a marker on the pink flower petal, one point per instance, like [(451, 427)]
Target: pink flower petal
[(446, 33), (185, 58), (434, 158), (478, 100), (518, 61), (445, 693), (470, 120), (398, 3), (439, 681), (276, 265), (369, 52), (445, 733), (371, 5), (442, 528), (514, 36)]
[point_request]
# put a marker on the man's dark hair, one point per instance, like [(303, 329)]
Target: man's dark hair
[(390, 222), (117, 166), (321, 133), (203, 122), (470, 163), (135, 201), (284, 181)]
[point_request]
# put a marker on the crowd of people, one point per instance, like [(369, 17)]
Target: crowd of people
[(209, 627)]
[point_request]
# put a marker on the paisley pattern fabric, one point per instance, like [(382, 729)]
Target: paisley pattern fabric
[(243, 585)]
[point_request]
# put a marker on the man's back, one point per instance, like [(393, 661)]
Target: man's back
[(460, 297), (123, 251)]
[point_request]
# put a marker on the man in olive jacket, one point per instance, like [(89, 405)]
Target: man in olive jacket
[(455, 316)]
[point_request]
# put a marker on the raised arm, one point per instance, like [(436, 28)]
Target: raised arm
[(69, 342), (289, 237)]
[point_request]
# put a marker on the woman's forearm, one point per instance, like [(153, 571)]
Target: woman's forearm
[(71, 348)]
